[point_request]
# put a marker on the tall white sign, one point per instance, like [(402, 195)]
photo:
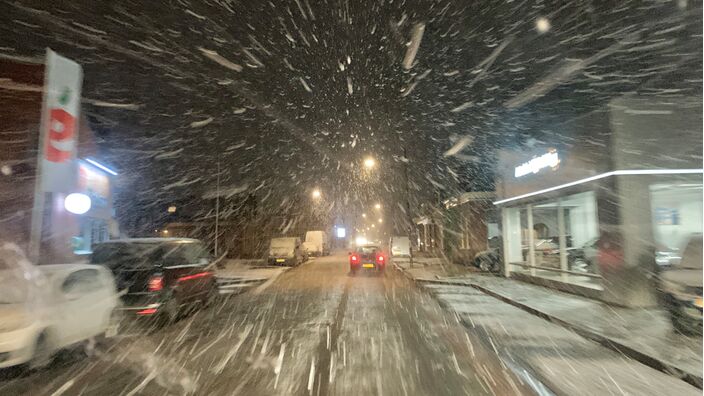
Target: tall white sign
[(60, 117), (58, 137)]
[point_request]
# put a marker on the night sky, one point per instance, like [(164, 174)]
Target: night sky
[(289, 95)]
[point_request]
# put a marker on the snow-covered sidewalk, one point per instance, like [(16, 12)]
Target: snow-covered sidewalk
[(645, 335), (239, 275)]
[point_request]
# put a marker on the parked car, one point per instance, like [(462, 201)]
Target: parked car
[(681, 285), (286, 251), (490, 260), (583, 259), (367, 257), (47, 308), (400, 246), (161, 277), (316, 244)]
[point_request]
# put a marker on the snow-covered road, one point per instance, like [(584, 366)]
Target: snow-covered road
[(315, 330)]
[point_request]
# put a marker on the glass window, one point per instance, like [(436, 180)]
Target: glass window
[(125, 255), (512, 228), (184, 254), (82, 281), (677, 214), (546, 235)]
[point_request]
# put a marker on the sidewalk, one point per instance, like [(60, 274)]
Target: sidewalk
[(239, 275), (432, 268), (642, 334)]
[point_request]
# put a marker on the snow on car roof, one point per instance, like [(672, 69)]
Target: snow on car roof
[(150, 240)]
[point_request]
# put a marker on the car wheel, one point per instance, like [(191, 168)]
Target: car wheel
[(43, 354), (484, 265), (171, 311), (213, 295), (114, 326), (683, 323), (580, 265)]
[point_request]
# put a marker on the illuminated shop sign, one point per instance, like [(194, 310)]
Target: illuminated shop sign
[(94, 184), (547, 160)]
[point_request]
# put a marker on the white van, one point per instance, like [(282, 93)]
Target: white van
[(316, 243), (286, 251), (400, 246)]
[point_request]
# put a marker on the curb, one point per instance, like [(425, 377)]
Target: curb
[(616, 346)]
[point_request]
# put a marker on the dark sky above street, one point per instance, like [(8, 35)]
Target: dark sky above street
[(293, 94)]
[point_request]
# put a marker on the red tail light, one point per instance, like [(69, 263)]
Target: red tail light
[(380, 259), (156, 283)]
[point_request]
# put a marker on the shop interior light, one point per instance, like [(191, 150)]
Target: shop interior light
[(101, 166), (623, 172), (77, 203)]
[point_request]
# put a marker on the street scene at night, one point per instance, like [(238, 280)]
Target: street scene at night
[(337, 197)]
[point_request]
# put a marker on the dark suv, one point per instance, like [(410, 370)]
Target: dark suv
[(160, 277)]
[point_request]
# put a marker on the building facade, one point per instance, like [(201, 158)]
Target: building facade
[(601, 206), (65, 236)]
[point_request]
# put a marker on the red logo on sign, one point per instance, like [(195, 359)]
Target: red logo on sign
[(62, 126)]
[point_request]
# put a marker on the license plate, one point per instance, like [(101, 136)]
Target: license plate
[(367, 265), (698, 302), (280, 260)]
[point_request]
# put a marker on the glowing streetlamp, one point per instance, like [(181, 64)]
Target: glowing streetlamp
[(316, 194), (369, 163), (364, 215), (377, 206), (381, 221), (542, 25)]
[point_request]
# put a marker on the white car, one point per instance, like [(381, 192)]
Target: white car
[(47, 308)]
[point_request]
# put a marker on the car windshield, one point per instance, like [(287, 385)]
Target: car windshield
[(356, 197), (126, 255), (367, 249)]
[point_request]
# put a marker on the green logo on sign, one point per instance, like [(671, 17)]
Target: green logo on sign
[(65, 96)]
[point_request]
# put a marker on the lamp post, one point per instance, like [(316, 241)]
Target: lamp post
[(411, 226)]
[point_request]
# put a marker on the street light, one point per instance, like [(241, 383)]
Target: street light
[(316, 194), (381, 221), (364, 215), (369, 163), (542, 25), (171, 209), (377, 206)]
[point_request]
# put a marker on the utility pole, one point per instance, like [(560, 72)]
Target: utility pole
[(217, 208), (411, 227)]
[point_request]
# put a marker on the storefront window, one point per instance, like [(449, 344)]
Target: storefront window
[(677, 214), (546, 249), (563, 235), (92, 231), (512, 231)]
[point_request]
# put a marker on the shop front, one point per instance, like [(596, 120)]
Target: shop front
[(606, 205)]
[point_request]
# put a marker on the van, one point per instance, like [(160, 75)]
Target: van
[(286, 251), (400, 246), (316, 243)]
